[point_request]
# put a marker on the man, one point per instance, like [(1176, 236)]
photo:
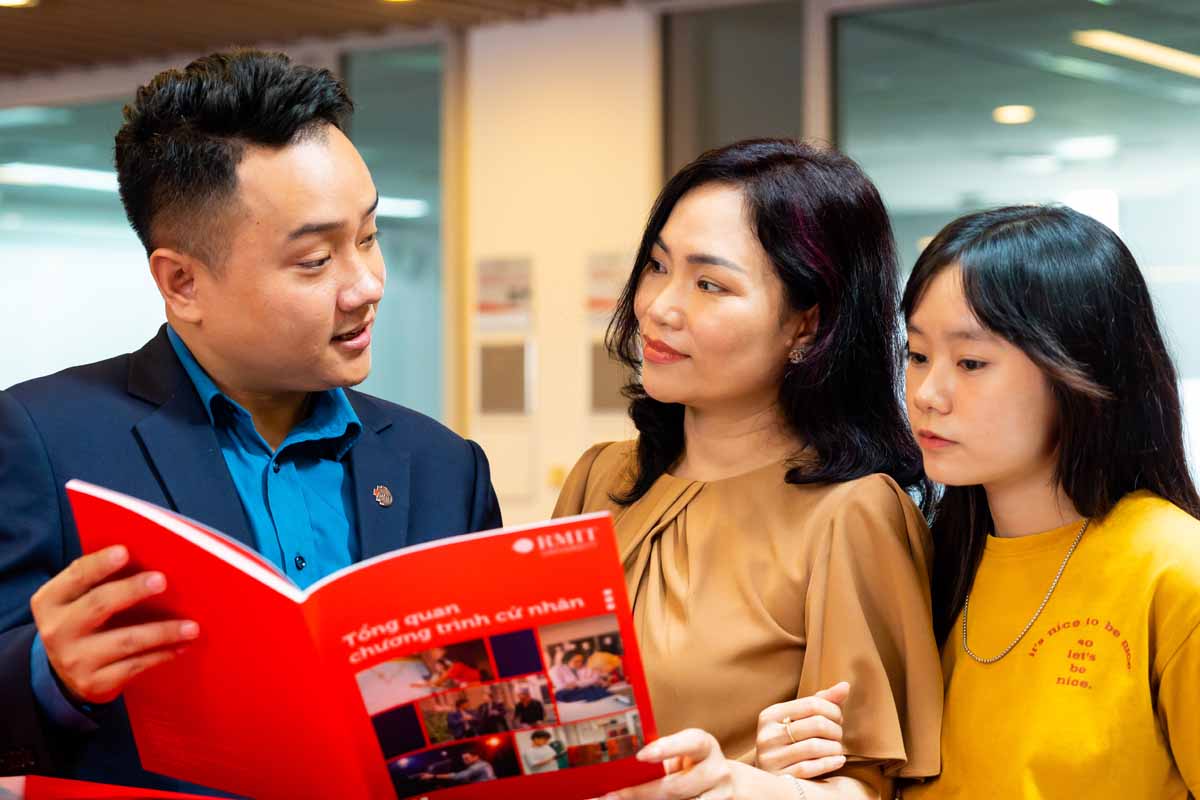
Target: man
[(475, 771), (542, 756), (528, 712), (492, 714), (257, 214), (461, 722)]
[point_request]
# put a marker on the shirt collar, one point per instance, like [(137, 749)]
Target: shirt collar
[(331, 417)]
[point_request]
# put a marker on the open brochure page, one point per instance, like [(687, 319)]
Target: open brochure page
[(495, 665), (247, 708)]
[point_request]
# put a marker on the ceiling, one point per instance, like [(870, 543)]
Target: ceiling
[(916, 89), (63, 34)]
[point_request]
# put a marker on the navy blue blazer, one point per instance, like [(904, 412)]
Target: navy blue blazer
[(135, 424)]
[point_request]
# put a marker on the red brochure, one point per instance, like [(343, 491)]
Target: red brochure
[(491, 665), (36, 787)]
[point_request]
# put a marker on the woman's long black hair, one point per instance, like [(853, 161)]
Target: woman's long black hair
[(824, 227), (1066, 290)]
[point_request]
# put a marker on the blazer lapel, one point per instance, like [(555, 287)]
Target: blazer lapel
[(377, 464), (181, 445)]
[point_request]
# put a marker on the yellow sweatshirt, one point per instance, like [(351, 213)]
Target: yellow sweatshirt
[(1101, 699)]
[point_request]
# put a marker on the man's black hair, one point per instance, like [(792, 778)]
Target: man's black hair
[(187, 130)]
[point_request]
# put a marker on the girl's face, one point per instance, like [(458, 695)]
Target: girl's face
[(709, 307), (982, 411)]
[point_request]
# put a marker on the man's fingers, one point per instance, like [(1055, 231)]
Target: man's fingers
[(101, 603), (117, 645), (79, 577), (816, 767), (803, 708), (105, 685)]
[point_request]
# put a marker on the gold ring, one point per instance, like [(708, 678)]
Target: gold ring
[(787, 726)]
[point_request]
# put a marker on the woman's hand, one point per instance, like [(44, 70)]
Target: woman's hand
[(803, 737), (696, 768)]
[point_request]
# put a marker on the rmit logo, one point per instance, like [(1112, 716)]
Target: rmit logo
[(558, 542), (569, 538)]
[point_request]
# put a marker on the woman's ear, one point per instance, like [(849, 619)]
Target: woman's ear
[(804, 326)]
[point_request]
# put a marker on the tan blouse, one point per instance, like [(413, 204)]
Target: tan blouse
[(749, 591)]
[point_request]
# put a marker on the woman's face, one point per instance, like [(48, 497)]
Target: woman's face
[(709, 307), (982, 411)]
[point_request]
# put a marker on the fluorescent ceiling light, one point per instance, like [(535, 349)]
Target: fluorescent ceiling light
[(18, 3), (1013, 115), (1087, 148), (18, 174), (1156, 55), (29, 116), (402, 208)]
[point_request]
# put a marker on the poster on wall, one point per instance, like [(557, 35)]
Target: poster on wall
[(503, 380), (504, 300), (607, 273)]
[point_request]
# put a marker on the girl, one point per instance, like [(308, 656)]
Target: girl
[(1066, 582)]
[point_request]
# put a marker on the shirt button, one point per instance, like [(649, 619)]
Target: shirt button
[(275, 467), (300, 562)]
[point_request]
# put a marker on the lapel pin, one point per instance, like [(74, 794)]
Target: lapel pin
[(383, 495)]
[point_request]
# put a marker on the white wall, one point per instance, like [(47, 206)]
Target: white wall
[(563, 141)]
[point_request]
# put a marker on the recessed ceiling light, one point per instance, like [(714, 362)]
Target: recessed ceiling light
[(1156, 55), (1013, 115)]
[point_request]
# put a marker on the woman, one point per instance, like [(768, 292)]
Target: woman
[(1067, 578), (767, 537)]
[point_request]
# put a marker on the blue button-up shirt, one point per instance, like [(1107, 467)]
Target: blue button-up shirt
[(298, 498)]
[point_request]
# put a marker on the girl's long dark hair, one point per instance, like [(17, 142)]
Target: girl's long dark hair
[(825, 229), (1066, 290)]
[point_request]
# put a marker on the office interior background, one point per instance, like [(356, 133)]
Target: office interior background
[(519, 145)]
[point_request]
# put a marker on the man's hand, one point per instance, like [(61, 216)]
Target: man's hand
[(71, 609)]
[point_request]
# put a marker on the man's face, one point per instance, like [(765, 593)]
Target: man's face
[(470, 758), (575, 662), (291, 309)]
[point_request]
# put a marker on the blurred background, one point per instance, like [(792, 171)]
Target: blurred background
[(518, 147)]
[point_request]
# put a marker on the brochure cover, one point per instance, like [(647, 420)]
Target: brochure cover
[(36, 787), (492, 665)]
